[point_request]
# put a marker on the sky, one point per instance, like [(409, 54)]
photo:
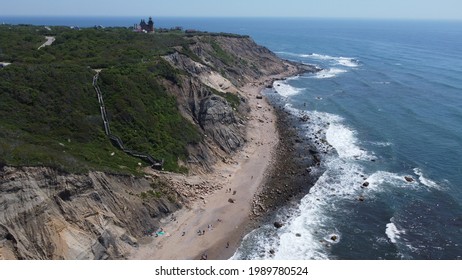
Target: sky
[(380, 9)]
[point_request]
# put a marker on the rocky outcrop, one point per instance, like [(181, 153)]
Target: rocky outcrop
[(218, 121), (245, 61), (219, 65), (205, 74), (49, 215)]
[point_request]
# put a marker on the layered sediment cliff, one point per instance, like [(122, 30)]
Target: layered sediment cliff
[(50, 215)]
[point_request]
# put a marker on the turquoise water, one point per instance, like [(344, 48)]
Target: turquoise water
[(389, 100)]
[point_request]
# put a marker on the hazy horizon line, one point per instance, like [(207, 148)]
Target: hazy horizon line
[(232, 17)]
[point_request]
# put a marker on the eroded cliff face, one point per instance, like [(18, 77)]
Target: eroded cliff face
[(46, 214), (49, 215), (218, 68), (244, 62), (216, 119)]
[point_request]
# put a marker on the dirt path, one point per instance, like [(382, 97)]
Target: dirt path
[(50, 40)]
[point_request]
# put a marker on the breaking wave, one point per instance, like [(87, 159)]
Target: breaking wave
[(393, 233), (286, 90)]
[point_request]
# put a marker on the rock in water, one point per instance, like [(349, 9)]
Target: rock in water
[(408, 179), (278, 224), (365, 184)]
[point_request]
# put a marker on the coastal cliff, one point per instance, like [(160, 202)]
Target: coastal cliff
[(65, 191), (50, 215), (209, 92)]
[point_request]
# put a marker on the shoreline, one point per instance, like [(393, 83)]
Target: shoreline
[(224, 217), (297, 170)]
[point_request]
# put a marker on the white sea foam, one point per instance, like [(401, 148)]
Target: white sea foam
[(348, 62), (308, 234), (286, 90), (344, 140), (425, 181), (382, 181), (257, 245), (318, 56), (340, 181), (329, 73), (340, 60), (316, 220), (293, 78), (306, 246), (393, 233)]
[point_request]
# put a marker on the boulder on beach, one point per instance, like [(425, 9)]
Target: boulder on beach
[(304, 118)]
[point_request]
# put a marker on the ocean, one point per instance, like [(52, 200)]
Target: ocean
[(389, 103)]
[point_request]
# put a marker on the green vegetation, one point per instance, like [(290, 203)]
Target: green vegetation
[(147, 119), (49, 116), (151, 193), (97, 48), (159, 189), (19, 43), (219, 52), (232, 99), (49, 112)]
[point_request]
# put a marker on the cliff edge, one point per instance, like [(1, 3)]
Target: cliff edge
[(103, 208)]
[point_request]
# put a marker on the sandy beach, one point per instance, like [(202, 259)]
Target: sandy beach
[(214, 225)]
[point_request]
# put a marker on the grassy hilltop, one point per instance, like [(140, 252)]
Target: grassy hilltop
[(49, 112)]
